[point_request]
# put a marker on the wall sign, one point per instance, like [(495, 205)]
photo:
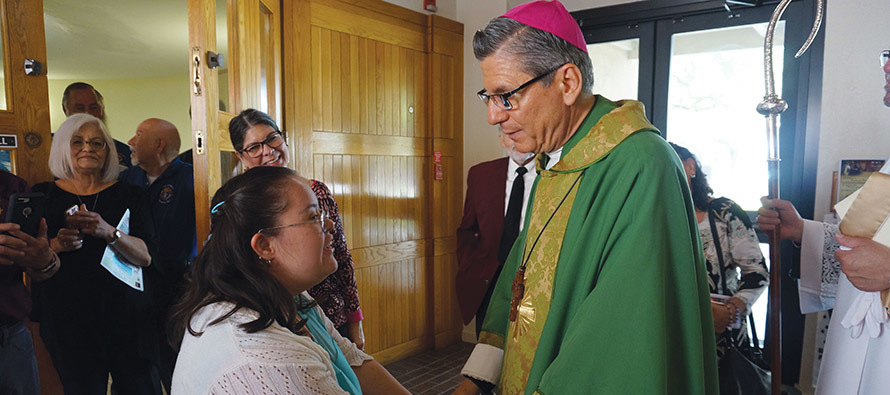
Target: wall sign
[(8, 141)]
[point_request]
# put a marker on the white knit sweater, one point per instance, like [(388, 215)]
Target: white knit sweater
[(227, 360)]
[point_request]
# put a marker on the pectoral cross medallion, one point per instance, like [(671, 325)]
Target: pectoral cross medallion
[(525, 319)]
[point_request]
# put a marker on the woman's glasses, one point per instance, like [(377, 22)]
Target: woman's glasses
[(321, 219), (255, 150), (95, 144)]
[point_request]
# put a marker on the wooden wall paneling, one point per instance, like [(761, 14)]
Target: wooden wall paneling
[(316, 80), (361, 70), (326, 82), (390, 181), (446, 74), (298, 73), (388, 90), (346, 85), (392, 74), (349, 19), (336, 103), (409, 93), (380, 100), (388, 9)]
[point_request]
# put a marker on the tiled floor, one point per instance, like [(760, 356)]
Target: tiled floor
[(433, 372)]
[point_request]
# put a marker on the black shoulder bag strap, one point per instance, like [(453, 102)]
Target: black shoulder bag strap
[(716, 242)]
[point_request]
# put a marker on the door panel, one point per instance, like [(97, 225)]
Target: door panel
[(254, 81), (362, 122), (27, 102)]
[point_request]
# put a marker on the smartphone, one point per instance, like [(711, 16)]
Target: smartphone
[(26, 209)]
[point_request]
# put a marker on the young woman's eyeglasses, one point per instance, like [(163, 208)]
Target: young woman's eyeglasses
[(503, 99), (95, 144), (255, 150), (320, 219)]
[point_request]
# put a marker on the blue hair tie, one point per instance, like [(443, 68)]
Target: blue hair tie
[(215, 209)]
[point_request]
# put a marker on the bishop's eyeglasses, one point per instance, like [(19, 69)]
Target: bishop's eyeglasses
[(503, 99)]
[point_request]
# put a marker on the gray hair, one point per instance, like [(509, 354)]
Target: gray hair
[(60, 161), (538, 51)]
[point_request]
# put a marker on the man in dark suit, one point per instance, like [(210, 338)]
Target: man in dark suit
[(489, 226)]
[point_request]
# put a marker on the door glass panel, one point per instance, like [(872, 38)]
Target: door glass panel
[(222, 47), (620, 60), (716, 81), (267, 61), (6, 161), (229, 166)]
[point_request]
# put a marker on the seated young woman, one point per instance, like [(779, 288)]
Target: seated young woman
[(246, 322)]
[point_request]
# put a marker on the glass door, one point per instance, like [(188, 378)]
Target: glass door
[(622, 58)]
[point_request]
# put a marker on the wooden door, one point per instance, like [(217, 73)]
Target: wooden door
[(371, 91), (254, 81), (24, 109)]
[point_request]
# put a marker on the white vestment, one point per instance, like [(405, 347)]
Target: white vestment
[(857, 352)]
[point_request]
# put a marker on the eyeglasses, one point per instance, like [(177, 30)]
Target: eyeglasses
[(95, 144), (504, 98), (321, 219), (255, 150), (885, 56)]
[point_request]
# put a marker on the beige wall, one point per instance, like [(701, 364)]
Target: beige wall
[(130, 101), (855, 123)]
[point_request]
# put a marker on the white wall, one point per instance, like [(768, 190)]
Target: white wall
[(855, 123)]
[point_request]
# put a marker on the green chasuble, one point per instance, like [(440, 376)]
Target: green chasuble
[(616, 295)]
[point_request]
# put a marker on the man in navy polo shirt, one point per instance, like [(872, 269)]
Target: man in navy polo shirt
[(170, 185)]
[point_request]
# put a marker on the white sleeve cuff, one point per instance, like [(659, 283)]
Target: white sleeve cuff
[(810, 284), (484, 363)]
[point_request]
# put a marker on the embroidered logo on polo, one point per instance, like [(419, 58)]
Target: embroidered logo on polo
[(166, 194)]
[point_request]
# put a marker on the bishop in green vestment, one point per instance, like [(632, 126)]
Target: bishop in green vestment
[(605, 290)]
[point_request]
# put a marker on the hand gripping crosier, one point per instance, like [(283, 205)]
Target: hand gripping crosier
[(771, 107)]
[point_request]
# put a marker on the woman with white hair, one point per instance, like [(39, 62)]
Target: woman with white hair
[(93, 323)]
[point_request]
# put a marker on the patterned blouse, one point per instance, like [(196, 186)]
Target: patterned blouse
[(338, 293), (741, 252)]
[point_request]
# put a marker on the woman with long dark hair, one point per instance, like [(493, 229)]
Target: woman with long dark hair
[(246, 323), (259, 142), (737, 272)]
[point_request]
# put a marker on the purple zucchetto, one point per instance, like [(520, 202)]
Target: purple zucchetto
[(551, 17)]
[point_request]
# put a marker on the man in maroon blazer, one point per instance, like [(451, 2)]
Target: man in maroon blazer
[(480, 253)]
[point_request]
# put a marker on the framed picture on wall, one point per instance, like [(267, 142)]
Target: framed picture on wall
[(853, 173)]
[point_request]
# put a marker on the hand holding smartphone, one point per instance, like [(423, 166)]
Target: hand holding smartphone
[(26, 210)]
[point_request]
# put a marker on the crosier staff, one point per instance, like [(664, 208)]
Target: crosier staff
[(771, 107)]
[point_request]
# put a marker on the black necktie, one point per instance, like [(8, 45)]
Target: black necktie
[(514, 215)]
